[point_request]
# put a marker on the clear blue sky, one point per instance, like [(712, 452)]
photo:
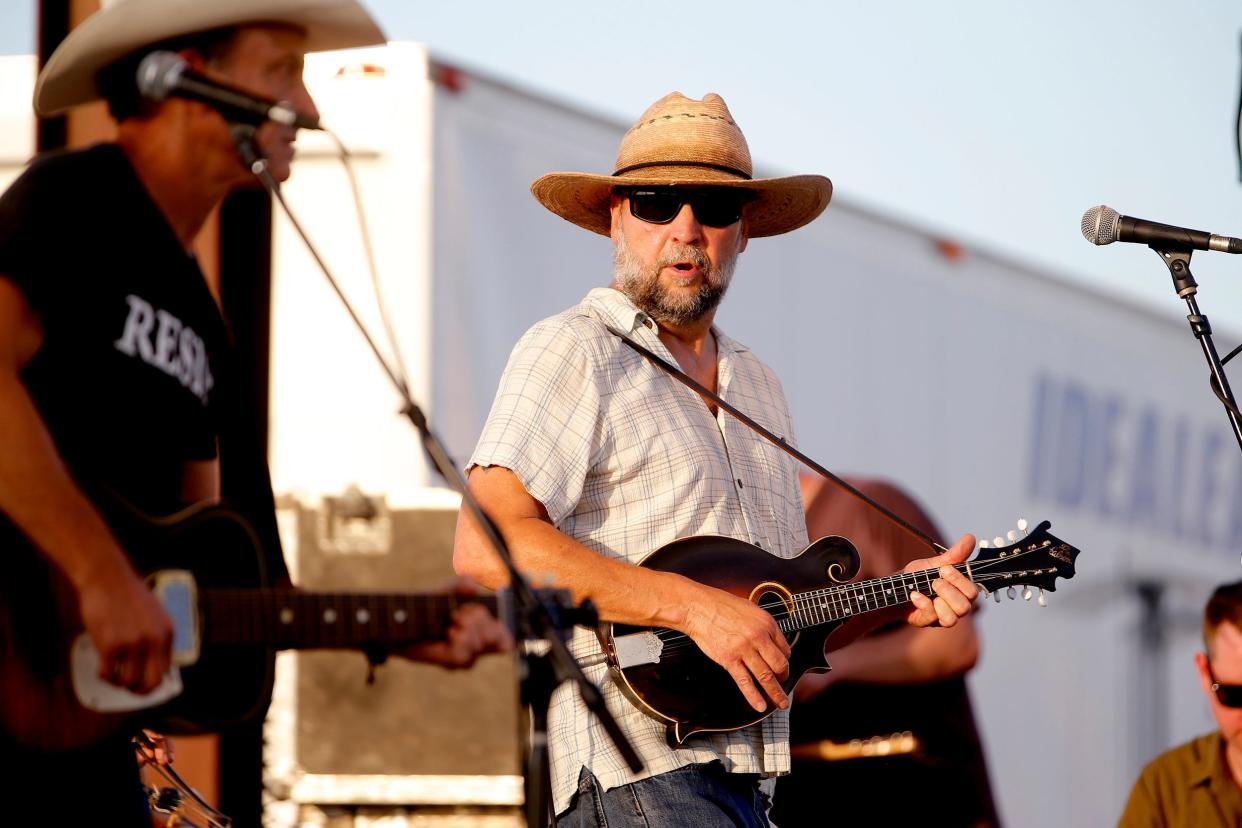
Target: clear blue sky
[(992, 122)]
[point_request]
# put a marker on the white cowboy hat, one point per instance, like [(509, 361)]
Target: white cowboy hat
[(681, 142), (122, 27)]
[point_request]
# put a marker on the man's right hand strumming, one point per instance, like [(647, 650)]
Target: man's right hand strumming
[(126, 623), (743, 639), (128, 626), (732, 631)]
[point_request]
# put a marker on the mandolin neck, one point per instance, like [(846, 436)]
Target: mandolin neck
[(294, 619), (821, 606)]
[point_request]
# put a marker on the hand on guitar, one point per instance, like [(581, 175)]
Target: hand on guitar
[(128, 627), (131, 631), (955, 593), (474, 632), (744, 639)]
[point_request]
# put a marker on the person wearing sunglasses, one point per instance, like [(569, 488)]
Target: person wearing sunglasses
[(592, 458), (1199, 783)]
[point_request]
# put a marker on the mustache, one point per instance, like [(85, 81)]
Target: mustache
[(685, 253)]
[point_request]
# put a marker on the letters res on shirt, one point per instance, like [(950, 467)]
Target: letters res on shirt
[(159, 339)]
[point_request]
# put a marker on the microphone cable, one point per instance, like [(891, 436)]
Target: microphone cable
[(252, 156), (364, 233)]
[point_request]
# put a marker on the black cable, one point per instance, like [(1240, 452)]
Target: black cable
[(365, 235)]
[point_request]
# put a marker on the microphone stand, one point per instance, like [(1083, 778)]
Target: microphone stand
[(534, 619), (1178, 261)]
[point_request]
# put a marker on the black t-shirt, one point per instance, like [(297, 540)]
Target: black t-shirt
[(134, 375), (948, 769), (128, 377)]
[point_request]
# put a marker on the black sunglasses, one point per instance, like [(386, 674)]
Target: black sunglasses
[(1230, 695), (713, 207)]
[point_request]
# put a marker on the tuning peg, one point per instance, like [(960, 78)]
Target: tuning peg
[(983, 593), (1043, 602), (1012, 535), (996, 596), (998, 541), (1022, 525), (985, 544), (1026, 594), (1012, 593)]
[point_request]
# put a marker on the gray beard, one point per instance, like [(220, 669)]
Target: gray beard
[(644, 289)]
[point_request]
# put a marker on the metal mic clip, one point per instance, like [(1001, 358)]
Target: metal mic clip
[(248, 148)]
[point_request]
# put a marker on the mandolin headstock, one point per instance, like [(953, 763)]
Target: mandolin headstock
[(1036, 559)]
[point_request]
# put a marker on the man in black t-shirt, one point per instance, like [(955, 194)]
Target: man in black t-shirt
[(114, 363)]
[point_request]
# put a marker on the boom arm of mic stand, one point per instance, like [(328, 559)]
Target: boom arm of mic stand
[(530, 609)]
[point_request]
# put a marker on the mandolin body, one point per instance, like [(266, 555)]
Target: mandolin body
[(686, 689)]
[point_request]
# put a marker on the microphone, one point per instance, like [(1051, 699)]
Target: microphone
[(1104, 225), (164, 74)]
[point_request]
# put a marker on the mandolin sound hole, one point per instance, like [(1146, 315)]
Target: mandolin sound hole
[(779, 602)]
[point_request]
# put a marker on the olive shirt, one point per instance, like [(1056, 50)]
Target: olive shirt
[(1189, 785)]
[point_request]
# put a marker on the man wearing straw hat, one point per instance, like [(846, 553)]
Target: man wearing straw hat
[(592, 458), (114, 361)]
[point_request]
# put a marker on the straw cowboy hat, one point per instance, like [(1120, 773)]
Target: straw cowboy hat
[(682, 142), (122, 27)]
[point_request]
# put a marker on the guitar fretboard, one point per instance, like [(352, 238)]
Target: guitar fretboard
[(294, 619)]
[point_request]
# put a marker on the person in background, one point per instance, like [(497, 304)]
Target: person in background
[(1199, 783), (893, 716)]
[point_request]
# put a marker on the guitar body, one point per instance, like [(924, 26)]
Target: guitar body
[(38, 708), (227, 685), (38, 623), (685, 688)]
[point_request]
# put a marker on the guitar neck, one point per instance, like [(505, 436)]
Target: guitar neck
[(289, 619), (821, 606)]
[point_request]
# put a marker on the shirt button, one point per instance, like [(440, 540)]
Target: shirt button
[(739, 483)]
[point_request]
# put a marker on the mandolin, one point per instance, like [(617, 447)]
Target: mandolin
[(666, 675)]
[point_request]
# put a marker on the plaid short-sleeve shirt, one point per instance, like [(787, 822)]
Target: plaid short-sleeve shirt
[(625, 459)]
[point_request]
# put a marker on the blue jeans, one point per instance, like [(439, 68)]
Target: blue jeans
[(702, 796)]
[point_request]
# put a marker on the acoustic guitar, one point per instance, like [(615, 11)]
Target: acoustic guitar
[(666, 675), (228, 625)]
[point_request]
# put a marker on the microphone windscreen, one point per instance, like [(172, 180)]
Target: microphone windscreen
[(158, 74), (1099, 225)]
